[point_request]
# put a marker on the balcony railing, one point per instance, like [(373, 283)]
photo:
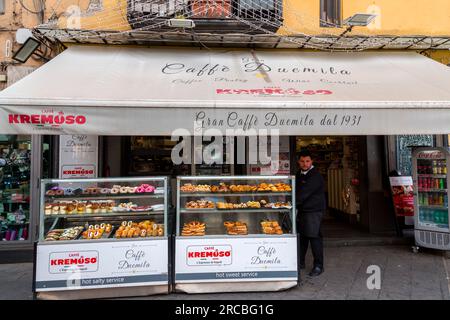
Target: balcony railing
[(210, 16)]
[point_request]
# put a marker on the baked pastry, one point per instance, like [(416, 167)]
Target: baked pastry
[(236, 227), (50, 193), (115, 190), (271, 227), (200, 204), (188, 187), (48, 209), (194, 228), (105, 191), (123, 189)]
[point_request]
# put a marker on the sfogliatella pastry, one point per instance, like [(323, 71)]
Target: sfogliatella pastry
[(193, 228)]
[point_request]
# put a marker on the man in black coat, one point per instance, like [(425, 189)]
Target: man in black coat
[(311, 205)]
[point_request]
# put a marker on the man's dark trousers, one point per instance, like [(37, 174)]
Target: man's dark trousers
[(316, 248)]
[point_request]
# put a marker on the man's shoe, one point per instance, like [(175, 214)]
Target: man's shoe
[(315, 272)]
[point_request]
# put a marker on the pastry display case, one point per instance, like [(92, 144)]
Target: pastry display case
[(235, 229), (102, 237)]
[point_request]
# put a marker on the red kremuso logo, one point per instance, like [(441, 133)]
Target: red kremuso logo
[(47, 119), (209, 255)]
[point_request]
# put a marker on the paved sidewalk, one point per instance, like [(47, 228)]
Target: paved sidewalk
[(404, 275)]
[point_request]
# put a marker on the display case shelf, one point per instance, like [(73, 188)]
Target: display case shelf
[(234, 210), (106, 197), (432, 207), (433, 190), (428, 175), (231, 194), (105, 215)]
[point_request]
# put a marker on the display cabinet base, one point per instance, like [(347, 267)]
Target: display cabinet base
[(432, 239), (103, 293), (217, 287)]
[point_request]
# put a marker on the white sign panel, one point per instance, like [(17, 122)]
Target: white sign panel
[(101, 265), (302, 120), (78, 156), (236, 259)]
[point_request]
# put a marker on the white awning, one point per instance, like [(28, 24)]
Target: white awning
[(110, 90)]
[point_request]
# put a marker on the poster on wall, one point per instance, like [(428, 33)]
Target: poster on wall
[(282, 166), (78, 156), (403, 196)]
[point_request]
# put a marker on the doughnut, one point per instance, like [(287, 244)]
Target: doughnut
[(85, 191), (94, 190), (115, 190), (132, 189), (123, 224), (96, 227), (123, 189), (140, 189), (149, 189), (129, 223), (105, 191), (102, 226), (50, 193), (59, 192), (68, 191)]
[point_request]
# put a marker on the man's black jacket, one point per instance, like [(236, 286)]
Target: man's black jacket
[(310, 191)]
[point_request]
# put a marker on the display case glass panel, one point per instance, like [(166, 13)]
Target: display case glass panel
[(235, 206), (103, 209)]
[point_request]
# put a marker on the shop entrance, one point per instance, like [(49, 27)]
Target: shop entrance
[(354, 169), (338, 159)]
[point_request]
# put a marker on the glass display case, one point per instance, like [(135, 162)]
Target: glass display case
[(235, 229), (15, 169), (109, 234), (430, 175)]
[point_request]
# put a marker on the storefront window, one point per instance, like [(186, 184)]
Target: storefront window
[(15, 153), (146, 155), (404, 145)]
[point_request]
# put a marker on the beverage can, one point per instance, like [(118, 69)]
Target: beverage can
[(434, 167)]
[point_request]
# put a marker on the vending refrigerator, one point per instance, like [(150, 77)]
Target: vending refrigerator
[(431, 214)]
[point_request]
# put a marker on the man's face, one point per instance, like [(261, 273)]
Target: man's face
[(305, 163)]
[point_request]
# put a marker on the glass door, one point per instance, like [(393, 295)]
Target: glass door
[(432, 197), (15, 170)]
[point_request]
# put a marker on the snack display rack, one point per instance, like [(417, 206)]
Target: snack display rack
[(102, 238), (235, 233), (430, 167)]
